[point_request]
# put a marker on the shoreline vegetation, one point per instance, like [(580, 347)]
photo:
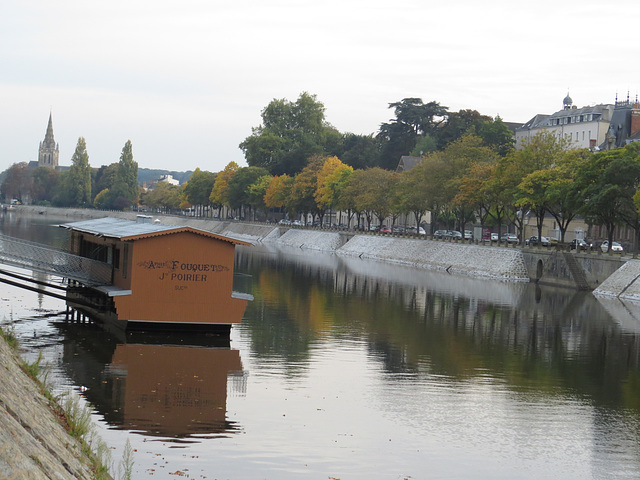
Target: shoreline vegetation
[(51, 436)]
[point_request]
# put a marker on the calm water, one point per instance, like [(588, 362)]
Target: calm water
[(349, 369)]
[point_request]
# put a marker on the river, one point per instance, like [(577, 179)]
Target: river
[(350, 369)]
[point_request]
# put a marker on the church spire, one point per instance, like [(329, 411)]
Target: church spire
[(49, 142), (48, 152)]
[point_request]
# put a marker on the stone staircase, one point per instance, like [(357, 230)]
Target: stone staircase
[(576, 271)]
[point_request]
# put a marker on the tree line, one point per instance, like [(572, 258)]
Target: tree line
[(113, 186), (300, 166)]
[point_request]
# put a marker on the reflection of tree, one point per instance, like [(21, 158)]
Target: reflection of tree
[(549, 339)]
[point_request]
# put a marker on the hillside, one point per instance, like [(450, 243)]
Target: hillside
[(150, 174)]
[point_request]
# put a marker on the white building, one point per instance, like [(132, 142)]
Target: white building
[(585, 127)]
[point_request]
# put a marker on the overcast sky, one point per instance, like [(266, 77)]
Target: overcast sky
[(186, 80)]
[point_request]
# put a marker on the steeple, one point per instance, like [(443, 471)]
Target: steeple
[(48, 152)]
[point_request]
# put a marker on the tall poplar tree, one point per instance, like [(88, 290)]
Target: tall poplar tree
[(125, 184), (79, 177)]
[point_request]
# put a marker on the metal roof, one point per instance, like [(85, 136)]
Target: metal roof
[(132, 230)]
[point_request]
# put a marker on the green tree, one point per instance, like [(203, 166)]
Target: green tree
[(79, 176), (18, 183), (45, 181), (163, 197), (414, 119), (497, 136), (360, 151), (608, 184), (458, 124), (198, 189), (257, 192), (238, 194), (125, 190), (290, 133)]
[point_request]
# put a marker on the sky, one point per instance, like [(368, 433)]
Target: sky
[(186, 80)]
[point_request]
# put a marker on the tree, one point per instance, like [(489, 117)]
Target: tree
[(278, 191), (607, 186), (497, 136), (238, 194), (125, 188), (257, 192), (198, 189), (371, 191), (304, 186), (220, 192), (290, 133), (79, 176), (18, 183), (330, 179), (414, 119), (163, 196), (360, 151), (458, 124), (45, 181)]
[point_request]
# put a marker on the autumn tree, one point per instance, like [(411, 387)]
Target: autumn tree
[(330, 179), (302, 197), (220, 192), (277, 192)]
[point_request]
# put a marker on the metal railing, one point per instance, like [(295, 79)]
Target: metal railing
[(33, 256)]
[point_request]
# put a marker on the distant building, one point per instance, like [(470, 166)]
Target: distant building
[(602, 126), (407, 162), (48, 153), (169, 179)]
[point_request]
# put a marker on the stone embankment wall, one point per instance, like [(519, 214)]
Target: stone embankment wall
[(624, 283), (33, 445), (548, 266)]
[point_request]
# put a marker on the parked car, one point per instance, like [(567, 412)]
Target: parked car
[(494, 237), (579, 244), (441, 234), (510, 238), (284, 221), (544, 241), (455, 235), (615, 247), (385, 229), (297, 223), (468, 235), (398, 229), (418, 231)]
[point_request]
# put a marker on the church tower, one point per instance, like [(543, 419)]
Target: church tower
[(48, 152)]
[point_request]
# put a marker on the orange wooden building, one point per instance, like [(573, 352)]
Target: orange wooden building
[(163, 275)]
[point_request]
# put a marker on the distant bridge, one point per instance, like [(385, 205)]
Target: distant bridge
[(33, 256)]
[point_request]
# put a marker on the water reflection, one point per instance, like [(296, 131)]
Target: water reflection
[(157, 385), (416, 322)]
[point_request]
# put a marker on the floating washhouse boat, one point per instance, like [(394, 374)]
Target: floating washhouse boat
[(163, 276)]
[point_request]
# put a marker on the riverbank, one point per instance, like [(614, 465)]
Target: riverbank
[(550, 266), (33, 443)]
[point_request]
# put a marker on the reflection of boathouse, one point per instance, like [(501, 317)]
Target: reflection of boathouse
[(163, 275)]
